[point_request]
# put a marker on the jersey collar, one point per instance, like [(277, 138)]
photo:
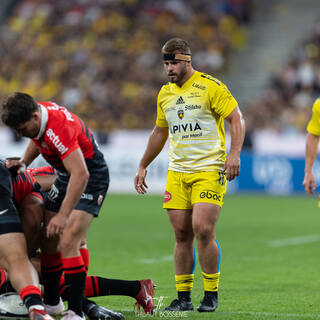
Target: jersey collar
[(44, 120), (188, 83)]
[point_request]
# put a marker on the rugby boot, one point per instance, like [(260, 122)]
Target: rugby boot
[(57, 309), (71, 315), (37, 314), (209, 303), (95, 312), (145, 296), (180, 305)]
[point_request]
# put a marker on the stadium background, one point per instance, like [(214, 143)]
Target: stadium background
[(100, 58)]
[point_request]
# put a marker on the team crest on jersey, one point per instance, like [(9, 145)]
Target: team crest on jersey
[(180, 114), (100, 199)]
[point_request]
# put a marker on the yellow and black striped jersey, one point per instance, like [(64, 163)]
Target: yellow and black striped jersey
[(194, 114)]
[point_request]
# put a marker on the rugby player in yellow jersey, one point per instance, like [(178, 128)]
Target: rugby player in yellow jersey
[(312, 148), (191, 109)]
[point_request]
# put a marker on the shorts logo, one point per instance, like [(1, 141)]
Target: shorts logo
[(53, 193), (167, 197), (209, 194), (87, 196), (100, 199)]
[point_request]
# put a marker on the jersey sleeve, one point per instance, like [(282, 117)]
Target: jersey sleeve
[(222, 101), (314, 124), (161, 119)]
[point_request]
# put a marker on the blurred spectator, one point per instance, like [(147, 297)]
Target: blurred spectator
[(285, 104), (100, 58)]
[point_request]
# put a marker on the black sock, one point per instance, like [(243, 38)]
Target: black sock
[(50, 282), (211, 293), (184, 295), (76, 285), (117, 287), (32, 300)]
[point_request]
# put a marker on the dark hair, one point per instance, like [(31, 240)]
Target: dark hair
[(176, 45), (18, 109)]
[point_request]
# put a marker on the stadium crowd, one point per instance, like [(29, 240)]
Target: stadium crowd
[(101, 58), (284, 106)]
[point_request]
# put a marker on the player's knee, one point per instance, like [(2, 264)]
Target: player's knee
[(183, 236), (204, 233)]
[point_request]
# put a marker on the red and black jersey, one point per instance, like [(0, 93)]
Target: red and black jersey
[(24, 183), (64, 132)]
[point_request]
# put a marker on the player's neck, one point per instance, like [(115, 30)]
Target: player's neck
[(187, 76)]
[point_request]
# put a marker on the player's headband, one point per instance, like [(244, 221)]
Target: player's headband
[(176, 56)]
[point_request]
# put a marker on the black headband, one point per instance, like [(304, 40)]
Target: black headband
[(177, 56)]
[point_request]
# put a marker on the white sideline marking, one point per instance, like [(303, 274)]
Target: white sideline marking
[(155, 260), (294, 241)]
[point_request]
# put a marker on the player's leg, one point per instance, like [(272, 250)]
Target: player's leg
[(31, 215), (178, 204), (206, 209), (73, 265), (181, 221), (13, 251)]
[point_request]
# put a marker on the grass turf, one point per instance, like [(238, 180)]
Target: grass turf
[(260, 279)]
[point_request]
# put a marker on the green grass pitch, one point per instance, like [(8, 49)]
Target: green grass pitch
[(270, 255)]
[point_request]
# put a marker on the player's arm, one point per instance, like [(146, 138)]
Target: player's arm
[(29, 155), (310, 156), (46, 181), (75, 164), (237, 132), (155, 144)]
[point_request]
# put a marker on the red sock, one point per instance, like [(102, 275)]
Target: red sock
[(92, 287), (85, 256), (75, 275), (31, 296), (3, 277)]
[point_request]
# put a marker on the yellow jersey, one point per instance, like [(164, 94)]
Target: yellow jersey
[(314, 124), (194, 114)]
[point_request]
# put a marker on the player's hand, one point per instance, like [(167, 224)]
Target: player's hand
[(140, 181), (232, 166), (56, 225), (15, 164), (309, 183)]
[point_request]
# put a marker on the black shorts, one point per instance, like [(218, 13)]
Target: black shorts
[(9, 217), (92, 198)]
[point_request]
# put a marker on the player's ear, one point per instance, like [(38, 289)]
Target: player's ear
[(36, 115)]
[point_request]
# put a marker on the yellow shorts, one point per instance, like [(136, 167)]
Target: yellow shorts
[(183, 190)]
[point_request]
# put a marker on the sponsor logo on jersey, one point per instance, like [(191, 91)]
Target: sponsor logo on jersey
[(194, 95), (56, 141), (180, 100), (180, 114), (209, 194), (167, 196), (56, 107), (185, 127), (192, 107), (199, 86)]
